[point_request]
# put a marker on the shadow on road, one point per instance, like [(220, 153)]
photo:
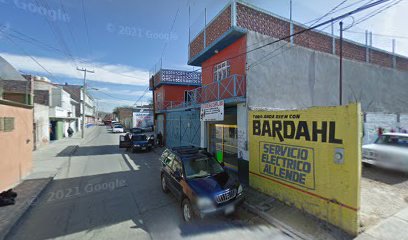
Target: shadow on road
[(390, 177)]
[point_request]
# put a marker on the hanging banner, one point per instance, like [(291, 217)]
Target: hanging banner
[(310, 159), (212, 111)]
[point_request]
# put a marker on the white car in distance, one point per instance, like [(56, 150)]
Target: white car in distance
[(390, 150), (118, 129)]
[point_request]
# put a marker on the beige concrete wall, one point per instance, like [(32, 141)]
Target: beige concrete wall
[(15, 146)]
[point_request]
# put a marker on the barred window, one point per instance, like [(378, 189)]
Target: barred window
[(221, 71)]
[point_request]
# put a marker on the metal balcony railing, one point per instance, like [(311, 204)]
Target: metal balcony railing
[(230, 88), (175, 77)]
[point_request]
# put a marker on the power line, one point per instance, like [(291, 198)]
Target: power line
[(86, 25), (375, 12), (144, 93), (171, 29), (314, 22), (379, 34), (328, 13), (362, 8), (32, 58), (56, 31)]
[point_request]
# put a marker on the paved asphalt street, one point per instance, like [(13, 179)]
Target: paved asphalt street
[(104, 192)]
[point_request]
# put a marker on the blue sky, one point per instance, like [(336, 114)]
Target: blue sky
[(127, 38)]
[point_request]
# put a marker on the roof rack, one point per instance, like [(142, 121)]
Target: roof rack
[(184, 150)]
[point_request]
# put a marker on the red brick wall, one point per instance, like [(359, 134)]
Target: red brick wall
[(197, 45), (260, 22), (219, 26), (351, 51), (237, 64), (42, 97), (380, 58), (257, 21), (402, 63), (313, 40)]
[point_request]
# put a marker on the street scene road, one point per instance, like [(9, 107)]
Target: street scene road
[(104, 192), (204, 119)]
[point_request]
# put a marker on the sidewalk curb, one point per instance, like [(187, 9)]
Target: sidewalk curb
[(26, 208), (273, 221)]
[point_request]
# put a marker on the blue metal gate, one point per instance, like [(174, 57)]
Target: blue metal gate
[(183, 128)]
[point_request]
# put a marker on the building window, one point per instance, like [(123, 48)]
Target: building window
[(221, 71), (6, 124)]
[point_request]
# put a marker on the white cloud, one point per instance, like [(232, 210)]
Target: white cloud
[(126, 92), (108, 105), (61, 68)]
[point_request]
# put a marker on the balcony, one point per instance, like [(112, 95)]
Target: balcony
[(231, 89), (175, 77)]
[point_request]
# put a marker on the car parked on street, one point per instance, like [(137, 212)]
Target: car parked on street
[(136, 130), (135, 142), (118, 129), (199, 182), (390, 150)]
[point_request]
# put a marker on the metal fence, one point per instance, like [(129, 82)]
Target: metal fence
[(183, 128)]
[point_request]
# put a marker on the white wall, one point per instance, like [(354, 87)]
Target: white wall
[(242, 122), (41, 119), (296, 77), (387, 121)]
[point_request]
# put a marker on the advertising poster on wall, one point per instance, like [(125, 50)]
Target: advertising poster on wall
[(212, 111), (311, 159), (142, 119)]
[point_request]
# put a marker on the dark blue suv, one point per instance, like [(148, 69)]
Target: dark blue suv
[(199, 182)]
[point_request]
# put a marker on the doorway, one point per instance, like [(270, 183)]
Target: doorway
[(223, 144)]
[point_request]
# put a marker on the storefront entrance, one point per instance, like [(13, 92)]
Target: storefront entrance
[(223, 141)]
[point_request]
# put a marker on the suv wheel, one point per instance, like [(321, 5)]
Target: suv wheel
[(164, 184), (188, 214)]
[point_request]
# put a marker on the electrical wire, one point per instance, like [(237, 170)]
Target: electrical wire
[(375, 12), (314, 22), (86, 26), (360, 9)]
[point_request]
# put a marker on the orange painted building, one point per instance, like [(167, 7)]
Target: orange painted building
[(237, 64)]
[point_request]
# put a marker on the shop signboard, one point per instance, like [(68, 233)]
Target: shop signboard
[(310, 159), (212, 111)]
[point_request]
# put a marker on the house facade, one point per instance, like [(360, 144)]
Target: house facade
[(16, 128), (243, 72), (170, 88)]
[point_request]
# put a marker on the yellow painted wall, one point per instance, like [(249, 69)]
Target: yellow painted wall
[(292, 160)]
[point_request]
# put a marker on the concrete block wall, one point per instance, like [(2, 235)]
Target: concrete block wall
[(298, 77), (214, 30), (251, 19), (257, 20)]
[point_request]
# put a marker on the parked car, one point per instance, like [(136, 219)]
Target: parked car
[(136, 130), (199, 182), (118, 129), (390, 150), (135, 142)]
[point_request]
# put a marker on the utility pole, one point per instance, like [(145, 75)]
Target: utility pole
[(341, 65), (291, 23), (84, 98)]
